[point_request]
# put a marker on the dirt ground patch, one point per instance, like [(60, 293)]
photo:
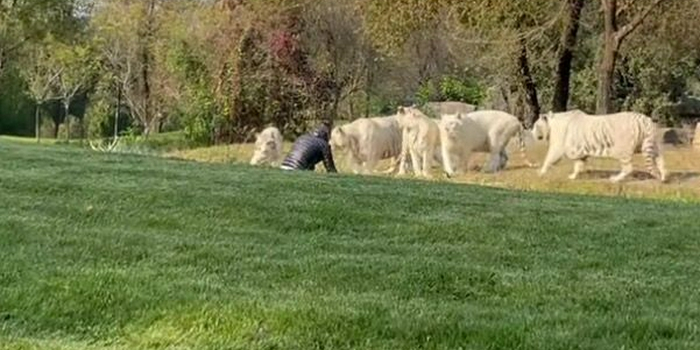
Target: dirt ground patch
[(683, 164)]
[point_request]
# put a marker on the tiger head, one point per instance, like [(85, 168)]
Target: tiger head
[(450, 124), (407, 117), (339, 139), (540, 130), (344, 141), (267, 149)]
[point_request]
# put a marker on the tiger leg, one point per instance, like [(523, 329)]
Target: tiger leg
[(393, 167), (403, 157), (463, 165), (355, 163), (415, 161), (503, 159), (402, 166), (498, 143), (656, 165), (437, 157), (578, 167), (405, 165), (553, 157), (655, 161), (626, 163), (522, 134), (428, 155), (492, 163), (661, 167), (448, 161), (370, 164)]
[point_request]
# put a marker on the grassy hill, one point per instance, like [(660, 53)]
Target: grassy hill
[(128, 252)]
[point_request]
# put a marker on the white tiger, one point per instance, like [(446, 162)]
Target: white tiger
[(619, 135), (458, 139), (268, 147), (404, 161), (482, 131), (366, 141), (421, 137)]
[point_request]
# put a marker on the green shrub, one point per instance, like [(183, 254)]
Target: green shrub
[(451, 88), (463, 90), (76, 129), (198, 116), (100, 122)]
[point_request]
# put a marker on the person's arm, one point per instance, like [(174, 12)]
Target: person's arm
[(328, 159)]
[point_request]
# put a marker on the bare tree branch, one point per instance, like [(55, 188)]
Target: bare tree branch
[(636, 21)]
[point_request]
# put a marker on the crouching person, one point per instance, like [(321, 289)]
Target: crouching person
[(310, 149)]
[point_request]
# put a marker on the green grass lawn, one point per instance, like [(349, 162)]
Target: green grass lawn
[(106, 251)]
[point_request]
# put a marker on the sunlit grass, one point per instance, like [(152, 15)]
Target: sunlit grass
[(22, 139), (120, 251), (151, 244), (682, 162)]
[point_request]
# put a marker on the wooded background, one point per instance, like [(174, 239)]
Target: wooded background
[(217, 70)]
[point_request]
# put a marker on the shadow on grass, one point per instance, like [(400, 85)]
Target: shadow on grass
[(638, 175), (683, 176), (521, 167)]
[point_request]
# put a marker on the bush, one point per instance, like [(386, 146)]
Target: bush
[(198, 116), (47, 128), (16, 108), (451, 88), (383, 106), (76, 129), (467, 90), (99, 121)]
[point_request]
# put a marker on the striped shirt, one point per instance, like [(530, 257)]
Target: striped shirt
[(307, 151)]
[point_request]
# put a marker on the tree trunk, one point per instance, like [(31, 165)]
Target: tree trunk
[(66, 106), (335, 104), (566, 55), (612, 38), (368, 97), (116, 113), (146, 68), (146, 93), (82, 131), (2, 61), (606, 76), (528, 86), (505, 95), (37, 124), (606, 70)]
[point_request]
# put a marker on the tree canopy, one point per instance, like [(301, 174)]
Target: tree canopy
[(220, 69)]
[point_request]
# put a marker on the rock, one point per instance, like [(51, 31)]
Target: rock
[(449, 107), (675, 136), (671, 136), (696, 138)]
